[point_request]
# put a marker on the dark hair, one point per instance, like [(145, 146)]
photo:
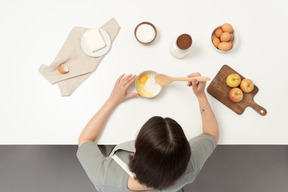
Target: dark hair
[(162, 153)]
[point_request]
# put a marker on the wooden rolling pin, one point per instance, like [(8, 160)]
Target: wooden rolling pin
[(163, 79)]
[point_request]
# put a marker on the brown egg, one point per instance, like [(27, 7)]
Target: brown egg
[(226, 27), (225, 46), (216, 41), (225, 36), (218, 32), (63, 68), (232, 37)]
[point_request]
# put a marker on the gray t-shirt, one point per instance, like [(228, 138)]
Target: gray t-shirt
[(108, 176)]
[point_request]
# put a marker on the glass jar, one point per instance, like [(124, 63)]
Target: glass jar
[(180, 47)]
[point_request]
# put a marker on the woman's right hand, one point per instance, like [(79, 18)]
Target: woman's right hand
[(197, 87), (119, 92)]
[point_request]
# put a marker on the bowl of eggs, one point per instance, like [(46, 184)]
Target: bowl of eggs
[(146, 85), (224, 38)]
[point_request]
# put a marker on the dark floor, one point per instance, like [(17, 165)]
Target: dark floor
[(229, 169)]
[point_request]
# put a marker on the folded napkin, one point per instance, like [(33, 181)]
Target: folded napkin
[(80, 65)]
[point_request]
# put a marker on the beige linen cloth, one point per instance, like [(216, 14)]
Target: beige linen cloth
[(81, 66)]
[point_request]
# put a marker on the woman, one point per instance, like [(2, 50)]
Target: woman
[(160, 159)]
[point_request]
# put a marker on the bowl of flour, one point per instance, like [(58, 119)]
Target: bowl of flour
[(146, 85), (145, 32)]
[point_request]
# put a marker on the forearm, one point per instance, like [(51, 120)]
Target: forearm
[(97, 122), (209, 122)]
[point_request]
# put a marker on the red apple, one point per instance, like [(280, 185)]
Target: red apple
[(236, 95), (233, 80), (247, 85)]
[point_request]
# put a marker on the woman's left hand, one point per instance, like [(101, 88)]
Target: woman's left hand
[(119, 92)]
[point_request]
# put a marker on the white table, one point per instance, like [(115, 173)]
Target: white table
[(32, 32)]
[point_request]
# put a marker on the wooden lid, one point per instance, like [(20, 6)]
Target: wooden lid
[(184, 41)]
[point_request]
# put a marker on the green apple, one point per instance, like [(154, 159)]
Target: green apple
[(233, 80)]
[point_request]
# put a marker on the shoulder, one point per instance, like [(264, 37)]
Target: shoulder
[(90, 157), (102, 171), (202, 147), (128, 146), (203, 140)]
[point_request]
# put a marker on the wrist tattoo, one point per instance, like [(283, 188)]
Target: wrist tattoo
[(201, 110)]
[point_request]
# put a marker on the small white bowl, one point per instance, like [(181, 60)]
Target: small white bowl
[(234, 41), (140, 86)]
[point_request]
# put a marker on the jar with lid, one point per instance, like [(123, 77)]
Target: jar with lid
[(180, 47)]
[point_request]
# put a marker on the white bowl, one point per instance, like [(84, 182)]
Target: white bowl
[(140, 86), (234, 41)]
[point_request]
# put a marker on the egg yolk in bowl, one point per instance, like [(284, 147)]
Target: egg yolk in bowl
[(143, 79), (140, 84)]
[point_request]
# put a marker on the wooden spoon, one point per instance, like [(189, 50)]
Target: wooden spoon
[(163, 79)]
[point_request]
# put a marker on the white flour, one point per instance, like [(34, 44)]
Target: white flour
[(145, 33), (151, 86)]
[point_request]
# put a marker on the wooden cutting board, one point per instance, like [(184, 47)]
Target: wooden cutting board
[(219, 89)]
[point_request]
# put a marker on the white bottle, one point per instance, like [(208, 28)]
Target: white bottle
[(180, 47)]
